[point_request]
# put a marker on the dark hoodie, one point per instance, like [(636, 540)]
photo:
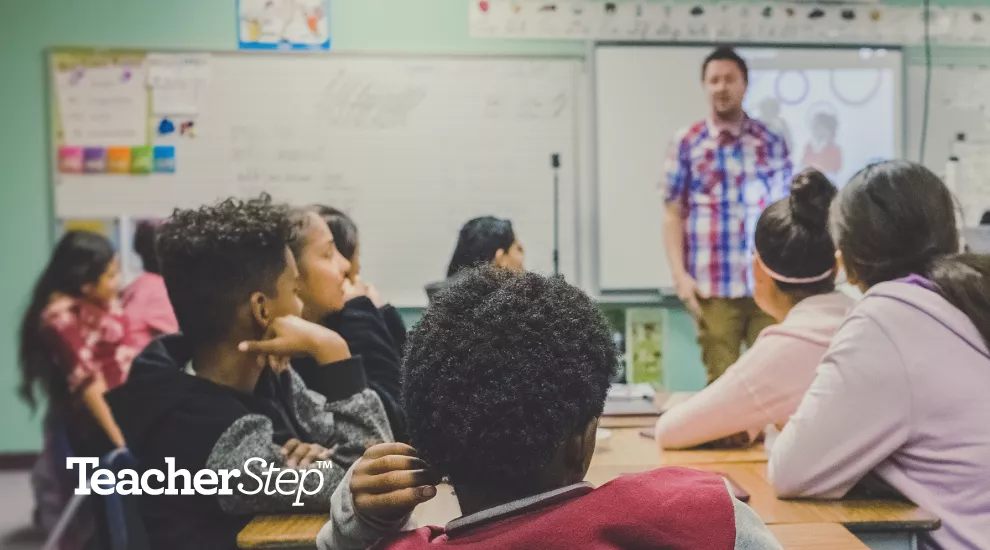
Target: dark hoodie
[(366, 330), (165, 412)]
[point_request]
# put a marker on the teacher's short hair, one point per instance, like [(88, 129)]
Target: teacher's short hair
[(726, 53)]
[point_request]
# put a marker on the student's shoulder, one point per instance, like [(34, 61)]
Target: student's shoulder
[(673, 496), (669, 481), (672, 493)]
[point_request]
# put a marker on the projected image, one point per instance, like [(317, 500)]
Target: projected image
[(834, 120)]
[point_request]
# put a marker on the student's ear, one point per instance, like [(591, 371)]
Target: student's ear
[(261, 309), (500, 258), (580, 449)]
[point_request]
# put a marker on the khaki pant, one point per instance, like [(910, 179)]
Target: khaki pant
[(726, 323)]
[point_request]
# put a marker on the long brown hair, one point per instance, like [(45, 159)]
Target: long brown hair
[(897, 218)]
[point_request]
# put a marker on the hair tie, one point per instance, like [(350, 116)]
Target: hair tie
[(792, 280)]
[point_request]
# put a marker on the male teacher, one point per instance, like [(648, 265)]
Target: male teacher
[(721, 173)]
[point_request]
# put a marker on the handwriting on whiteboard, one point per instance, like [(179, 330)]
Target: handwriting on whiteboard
[(353, 100), (525, 107)]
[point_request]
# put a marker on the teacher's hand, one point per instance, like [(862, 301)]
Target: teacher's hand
[(687, 291)]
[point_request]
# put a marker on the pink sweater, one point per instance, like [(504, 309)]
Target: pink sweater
[(766, 384), (904, 392), (148, 309)]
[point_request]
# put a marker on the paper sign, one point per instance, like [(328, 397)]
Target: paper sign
[(94, 160), (141, 160), (164, 159), (119, 160), (284, 24), (178, 82), (70, 160), (103, 106)]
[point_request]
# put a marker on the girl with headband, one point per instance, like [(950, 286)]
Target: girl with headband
[(794, 270)]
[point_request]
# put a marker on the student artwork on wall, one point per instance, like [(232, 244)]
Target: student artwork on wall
[(644, 346), (770, 22), (283, 24)]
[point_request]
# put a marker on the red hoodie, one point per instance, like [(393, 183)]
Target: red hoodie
[(668, 508)]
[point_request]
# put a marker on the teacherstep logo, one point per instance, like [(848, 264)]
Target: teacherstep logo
[(262, 478)]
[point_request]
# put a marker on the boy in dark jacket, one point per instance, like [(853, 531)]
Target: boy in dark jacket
[(220, 394)]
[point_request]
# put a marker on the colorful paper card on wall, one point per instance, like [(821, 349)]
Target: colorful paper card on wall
[(119, 160), (283, 24), (141, 160), (94, 160), (164, 159), (70, 160)]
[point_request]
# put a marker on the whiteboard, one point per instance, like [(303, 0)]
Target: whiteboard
[(411, 147), (645, 93), (959, 104)]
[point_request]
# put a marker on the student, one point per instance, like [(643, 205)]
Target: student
[(482, 241), (794, 270), (902, 390), (74, 346), (145, 300), (356, 319), (505, 380), (345, 236), (209, 398)]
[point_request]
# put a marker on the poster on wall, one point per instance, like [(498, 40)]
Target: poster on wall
[(283, 24), (644, 346)]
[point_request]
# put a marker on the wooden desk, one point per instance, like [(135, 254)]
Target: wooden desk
[(856, 515), (297, 532), (816, 536), (627, 447), (756, 453)]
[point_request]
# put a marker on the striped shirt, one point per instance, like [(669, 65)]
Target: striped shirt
[(724, 181)]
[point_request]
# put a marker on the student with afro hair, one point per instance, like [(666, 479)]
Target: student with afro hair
[(505, 380)]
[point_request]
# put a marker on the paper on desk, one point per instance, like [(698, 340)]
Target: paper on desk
[(631, 391)]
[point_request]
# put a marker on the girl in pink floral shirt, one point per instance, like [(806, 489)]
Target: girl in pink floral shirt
[(74, 346), (74, 337)]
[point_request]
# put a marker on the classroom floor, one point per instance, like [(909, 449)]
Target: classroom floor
[(16, 501)]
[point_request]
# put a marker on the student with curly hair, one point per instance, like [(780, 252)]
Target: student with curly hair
[(505, 380), (219, 393)]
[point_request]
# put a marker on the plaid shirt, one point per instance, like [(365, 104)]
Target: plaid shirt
[(724, 182)]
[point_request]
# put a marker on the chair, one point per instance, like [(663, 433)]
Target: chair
[(120, 527)]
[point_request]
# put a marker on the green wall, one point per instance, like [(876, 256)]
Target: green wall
[(29, 27)]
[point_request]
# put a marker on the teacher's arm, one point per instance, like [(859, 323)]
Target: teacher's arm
[(678, 175), (673, 240)]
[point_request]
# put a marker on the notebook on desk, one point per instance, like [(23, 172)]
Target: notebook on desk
[(631, 400), (630, 407)]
